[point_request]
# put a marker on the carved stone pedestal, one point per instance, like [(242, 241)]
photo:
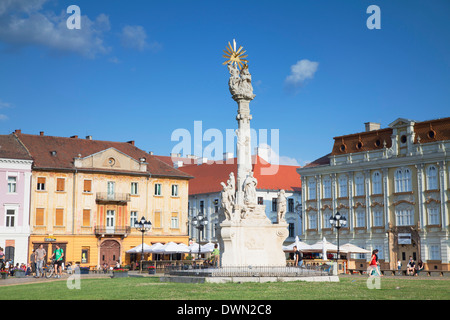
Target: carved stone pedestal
[(252, 241)]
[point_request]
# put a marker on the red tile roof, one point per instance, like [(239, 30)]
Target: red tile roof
[(11, 148), (207, 177), (41, 147)]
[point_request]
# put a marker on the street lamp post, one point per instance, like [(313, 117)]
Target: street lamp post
[(199, 222), (143, 226), (338, 222)]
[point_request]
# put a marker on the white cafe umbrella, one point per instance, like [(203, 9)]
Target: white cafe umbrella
[(207, 248), (155, 246), (138, 249), (301, 246), (351, 248), (324, 249), (319, 246), (170, 248)]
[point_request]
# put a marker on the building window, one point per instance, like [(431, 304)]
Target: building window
[(260, 200), (433, 216), (174, 190), (343, 187), (274, 204), (12, 184), (59, 217), (376, 183), (326, 220), (86, 218), (434, 252), (360, 219), (312, 218), (404, 217), (41, 184), (380, 249), (327, 188), (312, 189), (10, 218), (157, 219), (291, 229), (216, 205), (39, 217), (133, 218), (60, 184), (87, 186), (85, 255), (174, 221), (359, 183), (290, 205), (134, 188), (432, 183), (402, 180), (157, 189), (202, 206), (378, 218)]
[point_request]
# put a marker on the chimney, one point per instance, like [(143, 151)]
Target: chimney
[(131, 142), (18, 131), (178, 164), (74, 137), (150, 153), (372, 126), (88, 137), (202, 160), (41, 133)]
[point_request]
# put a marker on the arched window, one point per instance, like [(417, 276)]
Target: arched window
[(312, 189), (359, 185), (402, 178), (327, 188), (376, 183), (343, 187), (432, 183)]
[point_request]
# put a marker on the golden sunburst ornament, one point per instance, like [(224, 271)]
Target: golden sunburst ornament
[(235, 56)]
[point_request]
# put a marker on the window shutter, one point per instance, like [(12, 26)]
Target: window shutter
[(59, 219), (60, 184), (39, 217), (87, 186), (41, 180), (86, 218), (158, 219)]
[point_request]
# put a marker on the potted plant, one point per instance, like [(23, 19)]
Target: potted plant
[(84, 270), (3, 274), (19, 273), (120, 273), (151, 270)]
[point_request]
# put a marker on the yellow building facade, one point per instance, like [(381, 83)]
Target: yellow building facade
[(87, 194)]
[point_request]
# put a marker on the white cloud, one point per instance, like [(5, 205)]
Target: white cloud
[(301, 71), (4, 105), (22, 23), (135, 37), (3, 117)]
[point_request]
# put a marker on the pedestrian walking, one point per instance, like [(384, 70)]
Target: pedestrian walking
[(59, 255), (298, 257), (373, 266), (40, 255), (33, 261)]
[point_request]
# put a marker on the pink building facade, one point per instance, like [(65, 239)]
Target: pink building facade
[(15, 179)]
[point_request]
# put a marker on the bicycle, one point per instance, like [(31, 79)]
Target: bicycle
[(50, 269)]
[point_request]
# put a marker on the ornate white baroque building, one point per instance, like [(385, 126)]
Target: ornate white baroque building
[(392, 185)]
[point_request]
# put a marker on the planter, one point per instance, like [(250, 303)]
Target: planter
[(151, 271), (19, 274), (84, 271), (120, 274), (3, 275)]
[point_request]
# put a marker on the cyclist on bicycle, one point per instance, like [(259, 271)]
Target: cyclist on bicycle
[(58, 254)]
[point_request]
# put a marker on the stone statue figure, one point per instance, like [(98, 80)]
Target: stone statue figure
[(240, 82), (250, 189), (228, 196), (281, 206)]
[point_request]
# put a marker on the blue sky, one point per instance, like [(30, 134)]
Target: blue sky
[(138, 70)]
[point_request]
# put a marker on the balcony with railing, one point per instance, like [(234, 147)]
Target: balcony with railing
[(112, 231), (106, 197)]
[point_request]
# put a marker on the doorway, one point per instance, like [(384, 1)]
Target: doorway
[(109, 252)]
